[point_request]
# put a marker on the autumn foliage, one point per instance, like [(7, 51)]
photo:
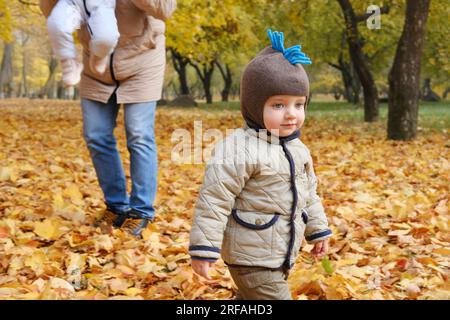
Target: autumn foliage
[(387, 204)]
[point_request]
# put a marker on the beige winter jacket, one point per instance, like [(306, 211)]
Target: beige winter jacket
[(136, 73), (245, 210)]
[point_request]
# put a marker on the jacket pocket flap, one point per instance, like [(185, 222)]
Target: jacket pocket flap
[(254, 220)]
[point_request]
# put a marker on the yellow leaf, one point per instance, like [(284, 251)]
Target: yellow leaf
[(5, 173), (132, 292), (75, 263), (127, 271), (443, 251), (146, 234), (8, 292), (117, 285), (398, 232), (146, 268), (73, 192), (441, 208), (365, 198), (56, 169), (48, 229), (103, 242), (172, 266), (58, 202), (36, 261), (58, 283)]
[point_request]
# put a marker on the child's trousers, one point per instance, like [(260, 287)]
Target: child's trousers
[(259, 283), (68, 16)]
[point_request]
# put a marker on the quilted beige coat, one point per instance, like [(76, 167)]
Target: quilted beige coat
[(251, 209)]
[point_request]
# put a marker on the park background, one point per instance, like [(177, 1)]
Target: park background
[(376, 127)]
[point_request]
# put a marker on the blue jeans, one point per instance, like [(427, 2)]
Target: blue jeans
[(99, 121)]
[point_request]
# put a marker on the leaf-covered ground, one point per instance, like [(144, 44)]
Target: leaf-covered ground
[(387, 204)]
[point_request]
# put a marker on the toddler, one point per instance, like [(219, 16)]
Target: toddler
[(258, 199)]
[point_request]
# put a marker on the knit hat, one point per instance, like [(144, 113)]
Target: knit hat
[(274, 71)]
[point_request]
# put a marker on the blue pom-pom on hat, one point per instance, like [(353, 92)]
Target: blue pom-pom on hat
[(293, 54)]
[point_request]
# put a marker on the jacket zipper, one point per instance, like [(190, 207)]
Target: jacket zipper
[(287, 263)]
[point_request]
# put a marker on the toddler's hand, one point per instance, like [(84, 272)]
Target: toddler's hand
[(320, 249), (201, 267)]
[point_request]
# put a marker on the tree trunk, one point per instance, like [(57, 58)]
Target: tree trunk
[(427, 93), (76, 93), (6, 71), (404, 77), (61, 92), (172, 84), (349, 94), (24, 67), (227, 79), (205, 74), (337, 92), (360, 63), (352, 86), (355, 85), (50, 86), (444, 95), (180, 63)]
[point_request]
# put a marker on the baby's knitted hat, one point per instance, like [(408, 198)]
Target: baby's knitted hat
[(274, 71)]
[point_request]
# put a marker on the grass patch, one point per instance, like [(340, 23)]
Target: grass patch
[(432, 115)]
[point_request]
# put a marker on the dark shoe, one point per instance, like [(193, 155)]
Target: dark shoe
[(110, 218), (135, 224)]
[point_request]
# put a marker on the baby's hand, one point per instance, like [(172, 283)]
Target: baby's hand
[(202, 267), (320, 249)]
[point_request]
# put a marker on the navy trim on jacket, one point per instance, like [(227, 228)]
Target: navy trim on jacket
[(287, 262), (255, 226), (204, 248), (290, 137), (319, 235), (304, 216)]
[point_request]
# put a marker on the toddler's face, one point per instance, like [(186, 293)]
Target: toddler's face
[(283, 114)]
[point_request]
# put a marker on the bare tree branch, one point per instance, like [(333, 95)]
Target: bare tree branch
[(363, 17), (334, 66)]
